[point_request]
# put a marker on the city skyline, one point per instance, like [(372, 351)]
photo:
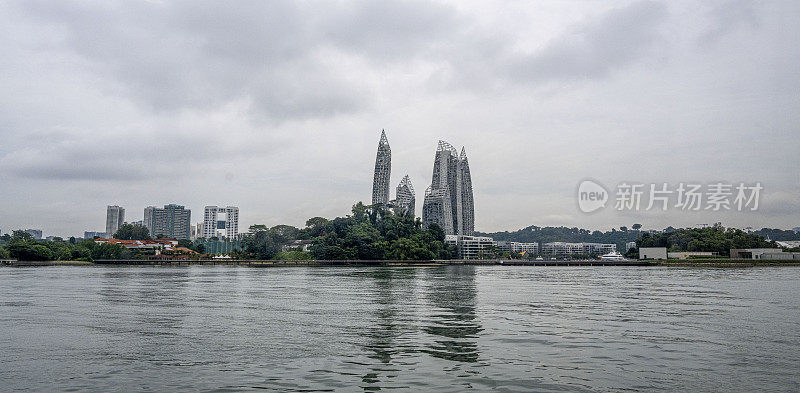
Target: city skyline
[(545, 96)]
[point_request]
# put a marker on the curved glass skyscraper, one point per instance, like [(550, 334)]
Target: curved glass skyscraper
[(448, 201), (383, 171), (404, 197)]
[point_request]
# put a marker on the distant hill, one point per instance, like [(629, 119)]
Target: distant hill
[(534, 234), (778, 234)]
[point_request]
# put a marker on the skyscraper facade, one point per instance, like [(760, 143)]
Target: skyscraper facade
[(115, 217), (211, 224), (172, 221), (404, 197), (449, 201), (383, 171)]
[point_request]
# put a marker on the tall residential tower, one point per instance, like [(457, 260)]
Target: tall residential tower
[(449, 201), (211, 224), (115, 217), (404, 197), (172, 221), (383, 171)]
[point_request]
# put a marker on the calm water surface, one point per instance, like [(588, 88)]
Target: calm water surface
[(552, 329)]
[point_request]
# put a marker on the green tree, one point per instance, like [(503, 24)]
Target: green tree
[(26, 251), (284, 233), (257, 228), (20, 236), (132, 232), (261, 245)]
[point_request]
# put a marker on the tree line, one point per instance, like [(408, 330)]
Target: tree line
[(369, 233), (715, 239)]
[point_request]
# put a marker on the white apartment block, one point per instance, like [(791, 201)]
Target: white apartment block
[(517, 247), (212, 226), (562, 249), (471, 247)]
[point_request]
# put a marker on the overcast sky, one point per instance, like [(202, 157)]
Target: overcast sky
[(277, 107)]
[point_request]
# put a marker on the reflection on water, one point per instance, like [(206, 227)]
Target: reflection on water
[(225, 328), (391, 289), (452, 295)]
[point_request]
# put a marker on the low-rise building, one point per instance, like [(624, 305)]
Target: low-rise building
[(755, 253), (563, 249), (652, 253), (297, 245), (794, 256), (517, 247), (630, 245), (691, 254), (788, 243), (157, 245), (472, 247), (220, 247)]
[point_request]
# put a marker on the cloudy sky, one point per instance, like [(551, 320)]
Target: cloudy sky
[(277, 106)]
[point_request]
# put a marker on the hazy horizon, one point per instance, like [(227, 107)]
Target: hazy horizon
[(277, 107)]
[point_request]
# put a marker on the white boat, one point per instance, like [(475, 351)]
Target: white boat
[(612, 256)]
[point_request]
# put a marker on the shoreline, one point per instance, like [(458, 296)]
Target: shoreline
[(723, 263)]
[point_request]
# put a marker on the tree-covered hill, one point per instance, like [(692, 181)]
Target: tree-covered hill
[(534, 234)]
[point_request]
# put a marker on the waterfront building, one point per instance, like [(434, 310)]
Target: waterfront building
[(220, 247), (449, 200), (630, 245), (517, 247), (472, 247), (156, 245), (563, 249), (171, 221), (652, 253), (404, 197), (115, 217), (383, 172), (36, 234), (214, 227), (691, 254), (757, 253)]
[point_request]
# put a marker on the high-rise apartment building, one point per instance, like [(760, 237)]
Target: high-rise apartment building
[(383, 172), (115, 217), (172, 221), (404, 197), (211, 223), (449, 201)]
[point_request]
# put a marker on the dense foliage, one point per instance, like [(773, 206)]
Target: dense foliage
[(715, 238), (534, 234), (132, 232), (370, 233), (21, 246)]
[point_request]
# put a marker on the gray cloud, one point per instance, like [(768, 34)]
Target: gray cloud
[(276, 106), (620, 37)]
